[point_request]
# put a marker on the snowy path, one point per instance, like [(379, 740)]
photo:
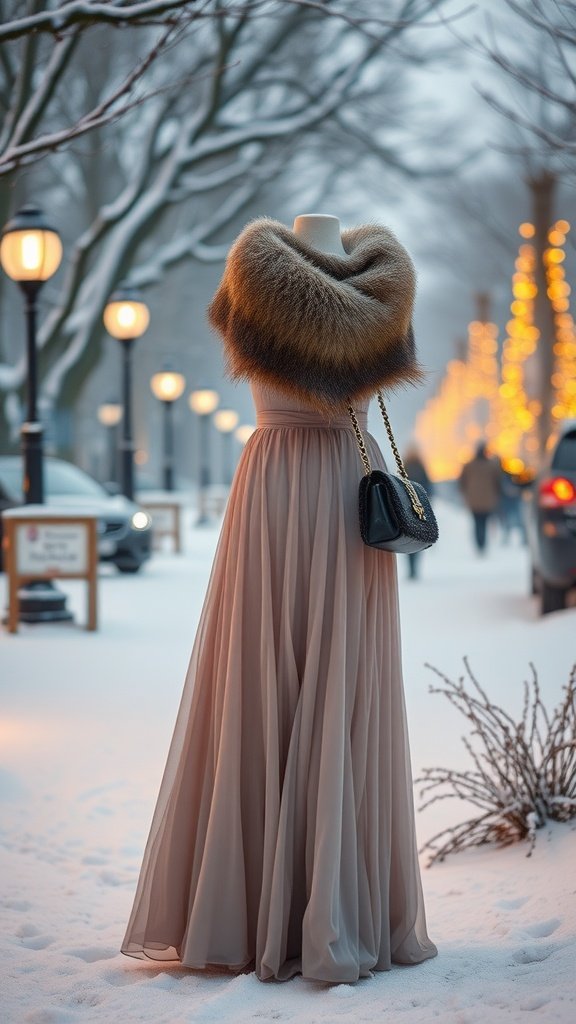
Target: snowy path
[(85, 723)]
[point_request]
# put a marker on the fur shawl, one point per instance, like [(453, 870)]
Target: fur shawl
[(326, 329)]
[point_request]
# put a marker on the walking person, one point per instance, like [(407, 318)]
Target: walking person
[(480, 483), (283, 840), (416, 470), (511, 506)]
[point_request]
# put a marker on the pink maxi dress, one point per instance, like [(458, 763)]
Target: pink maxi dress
[(283, 838)]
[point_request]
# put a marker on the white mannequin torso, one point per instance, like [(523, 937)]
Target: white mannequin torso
[(321, 230)]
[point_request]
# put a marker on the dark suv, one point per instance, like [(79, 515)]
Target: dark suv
[(551, 523), (124, 529)]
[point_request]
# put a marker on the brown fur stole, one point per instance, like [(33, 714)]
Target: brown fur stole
[(323, 328)]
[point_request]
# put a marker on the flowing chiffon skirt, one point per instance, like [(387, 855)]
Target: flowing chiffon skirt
[(283, 838)]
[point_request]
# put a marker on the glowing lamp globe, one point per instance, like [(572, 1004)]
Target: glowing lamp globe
[(110, 414), (126, 316), (167, 386), (243, 432), (30, 250), (225, 420), (204, 401)]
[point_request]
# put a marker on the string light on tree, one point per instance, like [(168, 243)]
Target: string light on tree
[(515, 440), (440, 427), (483, 373), (558, 290), (464, 410)]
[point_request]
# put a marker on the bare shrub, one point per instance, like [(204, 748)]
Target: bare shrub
[(524, 772)]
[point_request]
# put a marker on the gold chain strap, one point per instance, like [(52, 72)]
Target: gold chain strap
[(414, 499), (360, 441)]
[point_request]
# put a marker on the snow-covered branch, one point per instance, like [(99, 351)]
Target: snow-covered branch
[(55, 20), (16, 151), (193, 245)]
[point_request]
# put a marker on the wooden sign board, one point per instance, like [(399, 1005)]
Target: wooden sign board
[(44, 545), (166, 520), (51, 549)]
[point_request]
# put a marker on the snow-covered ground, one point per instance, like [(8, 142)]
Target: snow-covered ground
[(85, 723)]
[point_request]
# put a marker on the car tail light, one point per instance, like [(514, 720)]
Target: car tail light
[(557, 492)]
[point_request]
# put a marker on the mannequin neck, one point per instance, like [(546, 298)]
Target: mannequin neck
[(321, 231)]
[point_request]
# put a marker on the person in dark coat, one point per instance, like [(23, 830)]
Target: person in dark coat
[(511, 505), (416, 470), (480, 484)]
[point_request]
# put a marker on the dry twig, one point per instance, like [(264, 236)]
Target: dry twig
[(524, 772)]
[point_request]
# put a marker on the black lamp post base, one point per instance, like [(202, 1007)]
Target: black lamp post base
[(41, 601)]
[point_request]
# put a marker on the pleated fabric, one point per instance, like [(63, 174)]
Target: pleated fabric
[(283, 838)]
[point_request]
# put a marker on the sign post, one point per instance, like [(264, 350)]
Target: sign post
[(44, 542), (166, 520)]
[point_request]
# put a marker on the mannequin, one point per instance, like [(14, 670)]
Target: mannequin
[(283, 837), (320, 230)]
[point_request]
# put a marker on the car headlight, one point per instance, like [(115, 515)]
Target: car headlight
[(140, 521)]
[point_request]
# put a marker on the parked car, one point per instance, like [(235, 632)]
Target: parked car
[(551, 522), (125, 530)]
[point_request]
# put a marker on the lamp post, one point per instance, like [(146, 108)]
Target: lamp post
[(109, 415), (225, 420), (126, 317), (203, 402), (30, 253), (167, 387)]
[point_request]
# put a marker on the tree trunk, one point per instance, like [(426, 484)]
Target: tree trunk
[(542, 191)]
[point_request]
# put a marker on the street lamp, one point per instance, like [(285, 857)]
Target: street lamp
[(109, 415), (126, 317), (167, 387), (225, 420), (30, 253), (203, 402)]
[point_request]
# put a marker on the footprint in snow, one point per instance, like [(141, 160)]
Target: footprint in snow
[(92, 954), (17, 905), (512, 904), (120, 977), (535, 1002), (26, 930), (543, 928), (38, 941), (531, 954), (113, 878)]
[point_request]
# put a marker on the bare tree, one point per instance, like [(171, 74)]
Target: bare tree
[(540, 115), (38, 43), (266, 81), (39, 40), (551, 78)]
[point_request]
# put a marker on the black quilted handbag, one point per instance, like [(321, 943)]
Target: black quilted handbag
[(395, 513)]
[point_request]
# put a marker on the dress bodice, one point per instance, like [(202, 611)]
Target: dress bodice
[(276, 408)]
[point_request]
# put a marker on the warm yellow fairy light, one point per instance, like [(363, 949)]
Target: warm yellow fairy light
[(463, 410), (475, 400), (558, 291), (515, 415)]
